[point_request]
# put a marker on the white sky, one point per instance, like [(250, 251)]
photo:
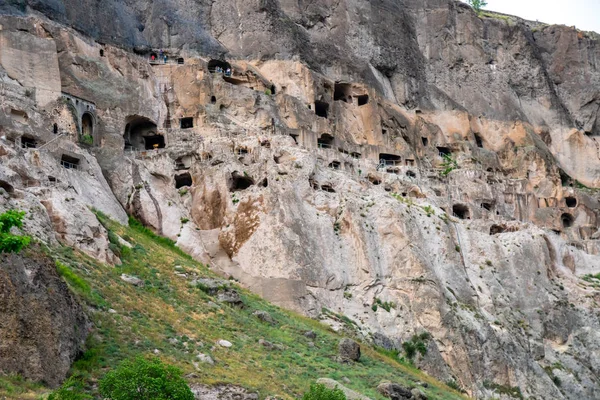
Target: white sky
[(584, 14)]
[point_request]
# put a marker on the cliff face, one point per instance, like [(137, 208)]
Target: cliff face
[(410, 165)]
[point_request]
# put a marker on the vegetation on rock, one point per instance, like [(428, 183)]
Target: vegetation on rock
[(320, 392), (10, 243)]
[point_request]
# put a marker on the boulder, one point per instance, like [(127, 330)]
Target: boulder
[(205, 358), (224, 343), (311, 335), (230, 296), (264, 316), (132, 280), (394, 391), (348, 350)]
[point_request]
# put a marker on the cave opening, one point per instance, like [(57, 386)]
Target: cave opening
[(138, 133), (154, 142), (567, 220), (497, 229), (342, 92), (218, 66), (55, 128), (389, 159), (325, 141), (327, 188), (571, 202), (183, 180), (411, 174), (461, 211), (186, 122), (240, 182), (69, 162), (486, 206), (213, 100), (321, 108), (180, 61), (363, 100), (335, 165), (28, 142), (478, 141), (87, 125), (425, 141), (444, 151)]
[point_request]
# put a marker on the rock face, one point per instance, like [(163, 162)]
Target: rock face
[(435, 177), (42, 327)]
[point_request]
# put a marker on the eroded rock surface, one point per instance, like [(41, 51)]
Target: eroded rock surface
[(42, 328), (407, 170)]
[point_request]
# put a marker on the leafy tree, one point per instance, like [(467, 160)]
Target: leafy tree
[(10, 243), (477, 4), (142, 379), (320, 392)]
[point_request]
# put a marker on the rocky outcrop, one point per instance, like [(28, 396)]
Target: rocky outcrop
[(425, 183), (42, 328)]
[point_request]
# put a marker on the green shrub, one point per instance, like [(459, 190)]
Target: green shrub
[(142, 379), (87, 139), (320, 392), (72, 389), (449, 164), (10, 243)]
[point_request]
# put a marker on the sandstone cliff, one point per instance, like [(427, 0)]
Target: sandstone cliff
[(411, 165)]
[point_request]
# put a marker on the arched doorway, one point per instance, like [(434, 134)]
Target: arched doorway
[(87, 126)]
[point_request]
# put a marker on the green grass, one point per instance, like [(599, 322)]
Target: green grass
[(167, 307)]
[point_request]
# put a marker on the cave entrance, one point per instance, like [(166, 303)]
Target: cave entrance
[(55, 129), (180, 61), (342, 92), (497, 229), (139, 132), (389, 159), (183, 180), (478, 141), (571, 202), (218, 66), (444, 151), (69, 162), (335, 165), (461, 211), (154, 142), (240, 182), (567, 220), (325, 141), (425, 141), (321, 108), (362, 100), (28, 142), (87, 125), (186, 123)]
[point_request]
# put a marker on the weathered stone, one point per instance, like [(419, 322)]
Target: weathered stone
[(348, 350), (224, 343), (264, 316), (311, 335), (222, 392), (132, 280), (43, 327), (394, 391), (205, 358), (230, 296)]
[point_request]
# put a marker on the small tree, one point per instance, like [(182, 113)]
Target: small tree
[(477, 4), (10, 243), (320, 392), (142, 379)]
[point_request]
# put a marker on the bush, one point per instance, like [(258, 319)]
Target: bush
[(142, 379), (10, 243), (71, 390), (320, 392), (87, 139)]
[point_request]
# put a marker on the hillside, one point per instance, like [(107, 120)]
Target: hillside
[(171, 315)]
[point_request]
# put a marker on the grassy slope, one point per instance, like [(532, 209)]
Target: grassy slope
[(167, 307)]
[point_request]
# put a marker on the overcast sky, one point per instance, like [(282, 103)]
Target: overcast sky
[(584, 14)]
